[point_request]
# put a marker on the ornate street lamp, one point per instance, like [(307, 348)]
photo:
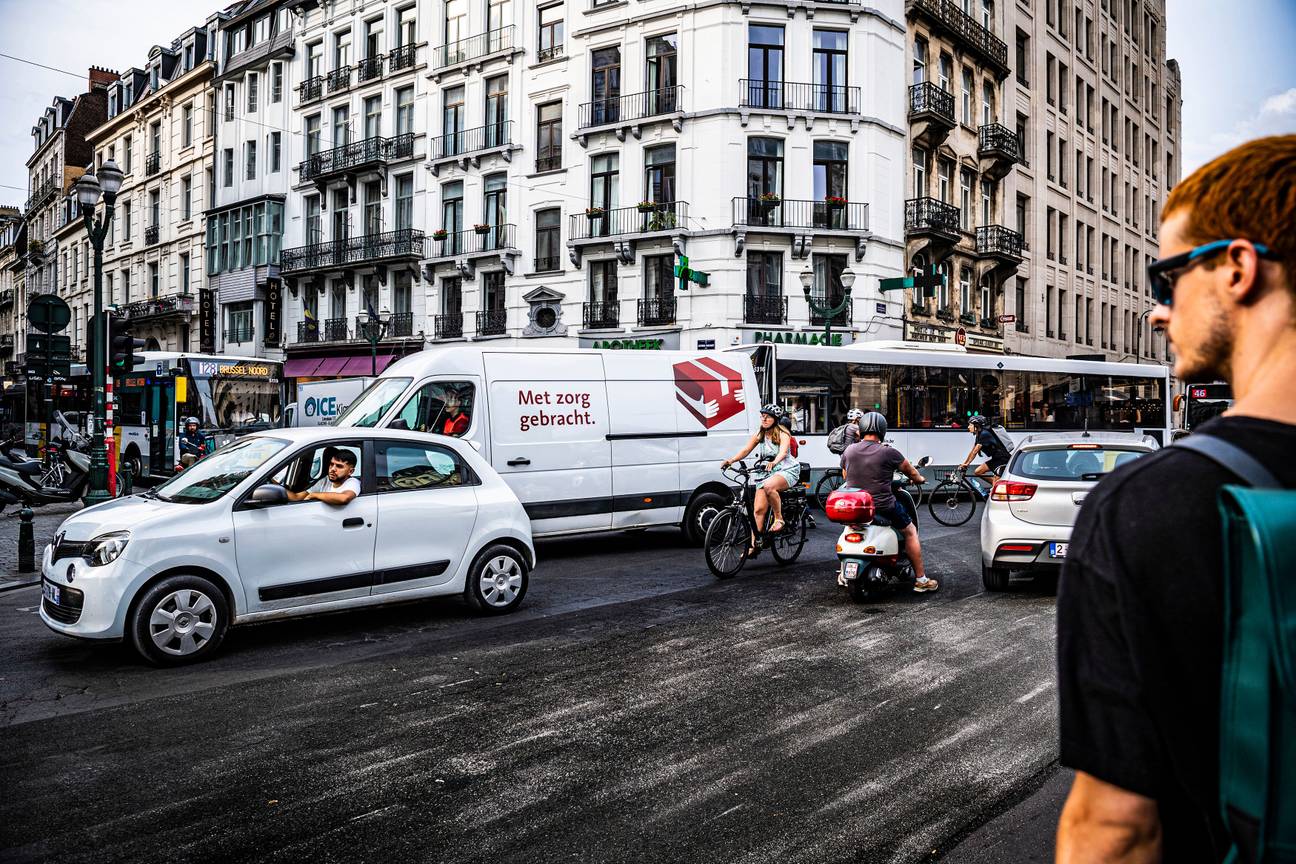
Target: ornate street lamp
[(88, 190), (374, 328), (828, 312)]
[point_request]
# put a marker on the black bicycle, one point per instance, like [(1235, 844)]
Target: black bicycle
[(954, 499), (728, 541), (832, 480)]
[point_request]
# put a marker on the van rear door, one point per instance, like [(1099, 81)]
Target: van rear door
[(643, 434), (549, 428)]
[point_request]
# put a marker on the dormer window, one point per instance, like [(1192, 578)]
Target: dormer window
[(188, 57), (153, 78)]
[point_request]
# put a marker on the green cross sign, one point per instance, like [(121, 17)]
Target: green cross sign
[(925, 283), (686, 275)]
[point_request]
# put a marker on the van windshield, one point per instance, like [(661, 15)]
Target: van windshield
[(374, 402)]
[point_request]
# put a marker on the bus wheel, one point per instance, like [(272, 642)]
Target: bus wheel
[(136, 466)]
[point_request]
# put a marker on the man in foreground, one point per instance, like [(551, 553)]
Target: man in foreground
[(337, 486)]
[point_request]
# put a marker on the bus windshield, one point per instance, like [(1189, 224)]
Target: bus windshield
[(374, 402), (232, 404)]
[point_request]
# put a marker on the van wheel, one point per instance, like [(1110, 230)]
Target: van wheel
[(698, 516), (497, 581), (181, 619), (994, 578)]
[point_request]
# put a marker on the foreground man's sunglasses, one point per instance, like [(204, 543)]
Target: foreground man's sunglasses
[(1163, 272)]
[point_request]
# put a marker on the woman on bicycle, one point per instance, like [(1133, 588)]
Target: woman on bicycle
[(771, 443)]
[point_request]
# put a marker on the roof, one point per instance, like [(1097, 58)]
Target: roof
[(1053, 439), (307, 434)]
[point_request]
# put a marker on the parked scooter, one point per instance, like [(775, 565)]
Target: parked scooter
[(871, 554), (61, 477)]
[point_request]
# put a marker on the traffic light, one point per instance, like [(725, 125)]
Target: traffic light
[(123, 346)]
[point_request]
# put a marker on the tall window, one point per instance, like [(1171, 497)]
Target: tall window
[(342, 50), (987, 202), (184, 272), (452, 216), (969, 95), (499, 14), (659, 173), (922, 167), (497, 111), (548, 242), (830, 174), (341, 216), (551, 32), (830, 93), (603, 287), (229, 102), (944, 179), (155, 209), (661, 73), (276, 148), (452, 120), (314, 227), (764, 66), (373, 223), (186, 197), (372, 117), (405, 111), (765, 275), (604, 183), (253, 82), (406, 27), (605, 85), (373, 38), (315, 60), (155, 280), (965, 290), (827, 287), (186, 126), (452, 298), (456, 28), (276, 82), (549, 136), (155, 138), (659, 285), (495, 202), (250, 159), (945, 72), (404, 202), (965, 197), (920, 60), (229, 167), (312, 135), (764, 167), (341, 126)]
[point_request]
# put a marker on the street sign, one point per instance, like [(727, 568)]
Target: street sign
[(1007, 319), (686, 275), (706, 344), (49, 313), (880, 308), (55, 346)]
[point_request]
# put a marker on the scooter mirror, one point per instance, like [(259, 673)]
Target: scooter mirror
[(924, 462)]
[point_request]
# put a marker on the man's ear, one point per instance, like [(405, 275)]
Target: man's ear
[(1242, 272)]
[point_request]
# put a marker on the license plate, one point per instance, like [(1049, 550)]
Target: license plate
[(1058, 550), (51, 592), (851, 569)]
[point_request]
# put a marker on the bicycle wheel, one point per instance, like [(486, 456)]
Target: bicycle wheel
[(788, 544), (951, 503), (828, 484), (726, 544)]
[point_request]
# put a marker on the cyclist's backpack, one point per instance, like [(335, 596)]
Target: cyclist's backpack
[(837, 439), (1258, 685), (1004, 438)]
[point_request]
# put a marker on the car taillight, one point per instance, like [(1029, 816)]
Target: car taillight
[(1010, 490), (854, 538)]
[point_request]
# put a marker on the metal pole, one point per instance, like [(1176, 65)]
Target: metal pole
[(97, 490), (26, 542)]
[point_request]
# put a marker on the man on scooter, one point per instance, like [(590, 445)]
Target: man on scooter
[(192, 443), (870, 465)]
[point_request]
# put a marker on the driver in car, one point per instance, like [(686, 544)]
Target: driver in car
[(337, 486)]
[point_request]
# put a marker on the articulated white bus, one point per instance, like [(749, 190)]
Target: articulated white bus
[(927, 393)]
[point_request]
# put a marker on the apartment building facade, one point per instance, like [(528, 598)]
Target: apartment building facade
[(159, 130), (13, 288)]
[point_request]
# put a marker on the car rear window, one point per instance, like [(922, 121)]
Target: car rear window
[(1070, 463)]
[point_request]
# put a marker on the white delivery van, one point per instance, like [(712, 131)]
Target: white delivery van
[(319, 403), (588, 440)]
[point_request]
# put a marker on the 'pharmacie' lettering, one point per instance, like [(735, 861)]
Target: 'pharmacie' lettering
[(798, 338)]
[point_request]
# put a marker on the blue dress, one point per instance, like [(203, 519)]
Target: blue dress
[(789, 469)]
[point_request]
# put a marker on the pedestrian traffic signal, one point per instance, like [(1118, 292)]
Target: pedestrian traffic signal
[(123, 346)]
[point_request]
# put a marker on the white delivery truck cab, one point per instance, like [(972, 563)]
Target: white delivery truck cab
[(319, 403), (589, 440)]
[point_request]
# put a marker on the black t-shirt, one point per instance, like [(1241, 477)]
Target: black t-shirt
[(991, 447), (1140, 631)]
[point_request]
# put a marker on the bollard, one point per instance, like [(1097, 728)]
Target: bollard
[(26, 542), (127, 483)]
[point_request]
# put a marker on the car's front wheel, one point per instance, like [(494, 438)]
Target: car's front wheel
[(497, 580), (181, 619)]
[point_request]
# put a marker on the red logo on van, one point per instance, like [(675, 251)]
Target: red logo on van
[(710, 390)]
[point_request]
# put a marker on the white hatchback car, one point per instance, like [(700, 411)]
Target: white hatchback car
[(1032, 508), (220, 544)]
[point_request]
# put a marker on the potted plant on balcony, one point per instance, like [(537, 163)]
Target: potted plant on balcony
[(594, 213), (835, 202), (766, 202), (481, 229), (646, 206), (440, 234)]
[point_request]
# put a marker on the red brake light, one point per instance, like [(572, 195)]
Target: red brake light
[(1085, 447), (1017, 547), (1011, 490), (854, 538)]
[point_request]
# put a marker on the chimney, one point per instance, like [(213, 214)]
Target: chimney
[(101, 79)]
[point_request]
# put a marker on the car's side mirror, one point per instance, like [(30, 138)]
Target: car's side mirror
[(924, 462), (268, 495)]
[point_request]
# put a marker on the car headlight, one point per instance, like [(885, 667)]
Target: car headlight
[(106, 548)]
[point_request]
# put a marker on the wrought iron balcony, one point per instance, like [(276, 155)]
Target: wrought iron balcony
[(553, 52), (631, 107), (337, 254), (177, 305), (996, 241), (6, 341), (998, 148), (466, 142), (308, 331), (989, 323), (335, 330), (764, 310), (931, 216), (842, 318), (919, 309), (339, 79), (968, 319), (311, 89), (493, 240), (602, 315), (798, 96), (152, 163), (547, 264), (929, 101), (241, 333), (43, 191), (399, 59), (660, 216), (948, 15), (492, 322), (548, 160), (448, 326), (369, 69), (481, 45), (657, 311), (400, 325), (352, 157), (6, 297), (945, 314), (151, 235), (800, 213)]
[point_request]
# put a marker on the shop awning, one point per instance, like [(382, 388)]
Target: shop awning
[(364, 365), (331, 366), (301, 367)]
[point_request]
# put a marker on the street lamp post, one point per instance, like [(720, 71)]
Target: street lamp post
[(829, 312), (374, 328), (1138, 335), (88, 190)]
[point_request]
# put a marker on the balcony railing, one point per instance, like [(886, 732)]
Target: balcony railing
[(401, 58), (43, 192), (764, 310), (930, 214), (400, 325), (311, 89), (998, 240), (448, 326), (153, 163), (6, 297), (602, 314), (842, 318), (468, 141), (308, 331), (928, 98), (548, 160), (793, 213), (547, 264), (996, 139), (7, 341), (335, 254), (798, 96), (634, 106), (492, 322), (992, 49), (151, 235), (661, 216), (239, 334), (339, 79), (471, 241), (989, 324), (462, 51), (968, 319), (335, 330), (349, 157), (369, 69), (553, 52), (657, 311)]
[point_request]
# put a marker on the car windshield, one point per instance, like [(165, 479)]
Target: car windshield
[(210, 478), (374, 402), (1086, 462)]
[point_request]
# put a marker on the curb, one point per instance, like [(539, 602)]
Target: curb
[(13, 586)]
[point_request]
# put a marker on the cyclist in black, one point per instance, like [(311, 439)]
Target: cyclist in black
[(988, 445)]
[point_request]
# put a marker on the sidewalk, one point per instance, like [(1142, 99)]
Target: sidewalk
[(45, 525)]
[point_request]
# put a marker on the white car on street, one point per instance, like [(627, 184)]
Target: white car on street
[(221, 543), (1032, 508)]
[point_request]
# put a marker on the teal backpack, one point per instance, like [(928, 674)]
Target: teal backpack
[(1258, 686)]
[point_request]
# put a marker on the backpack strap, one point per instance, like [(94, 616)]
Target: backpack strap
[(1231, 457)]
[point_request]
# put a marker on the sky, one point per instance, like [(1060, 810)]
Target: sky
[(1238, 66)]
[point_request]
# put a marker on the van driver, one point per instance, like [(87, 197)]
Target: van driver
[(337, 486)]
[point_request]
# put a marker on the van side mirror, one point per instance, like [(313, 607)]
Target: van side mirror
[(268, 495)]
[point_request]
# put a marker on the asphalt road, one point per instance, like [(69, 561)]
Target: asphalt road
[(634, 710)]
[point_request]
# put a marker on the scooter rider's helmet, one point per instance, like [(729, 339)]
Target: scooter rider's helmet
[(853, 414), (191, 421), (978, 421), (873, 423)]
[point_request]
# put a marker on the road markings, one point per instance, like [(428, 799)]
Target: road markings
[(1022, 700)]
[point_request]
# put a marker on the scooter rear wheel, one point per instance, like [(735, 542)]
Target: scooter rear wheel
[(726, 544), (866, 589)]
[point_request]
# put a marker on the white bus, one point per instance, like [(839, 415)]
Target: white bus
[(927, 393)]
